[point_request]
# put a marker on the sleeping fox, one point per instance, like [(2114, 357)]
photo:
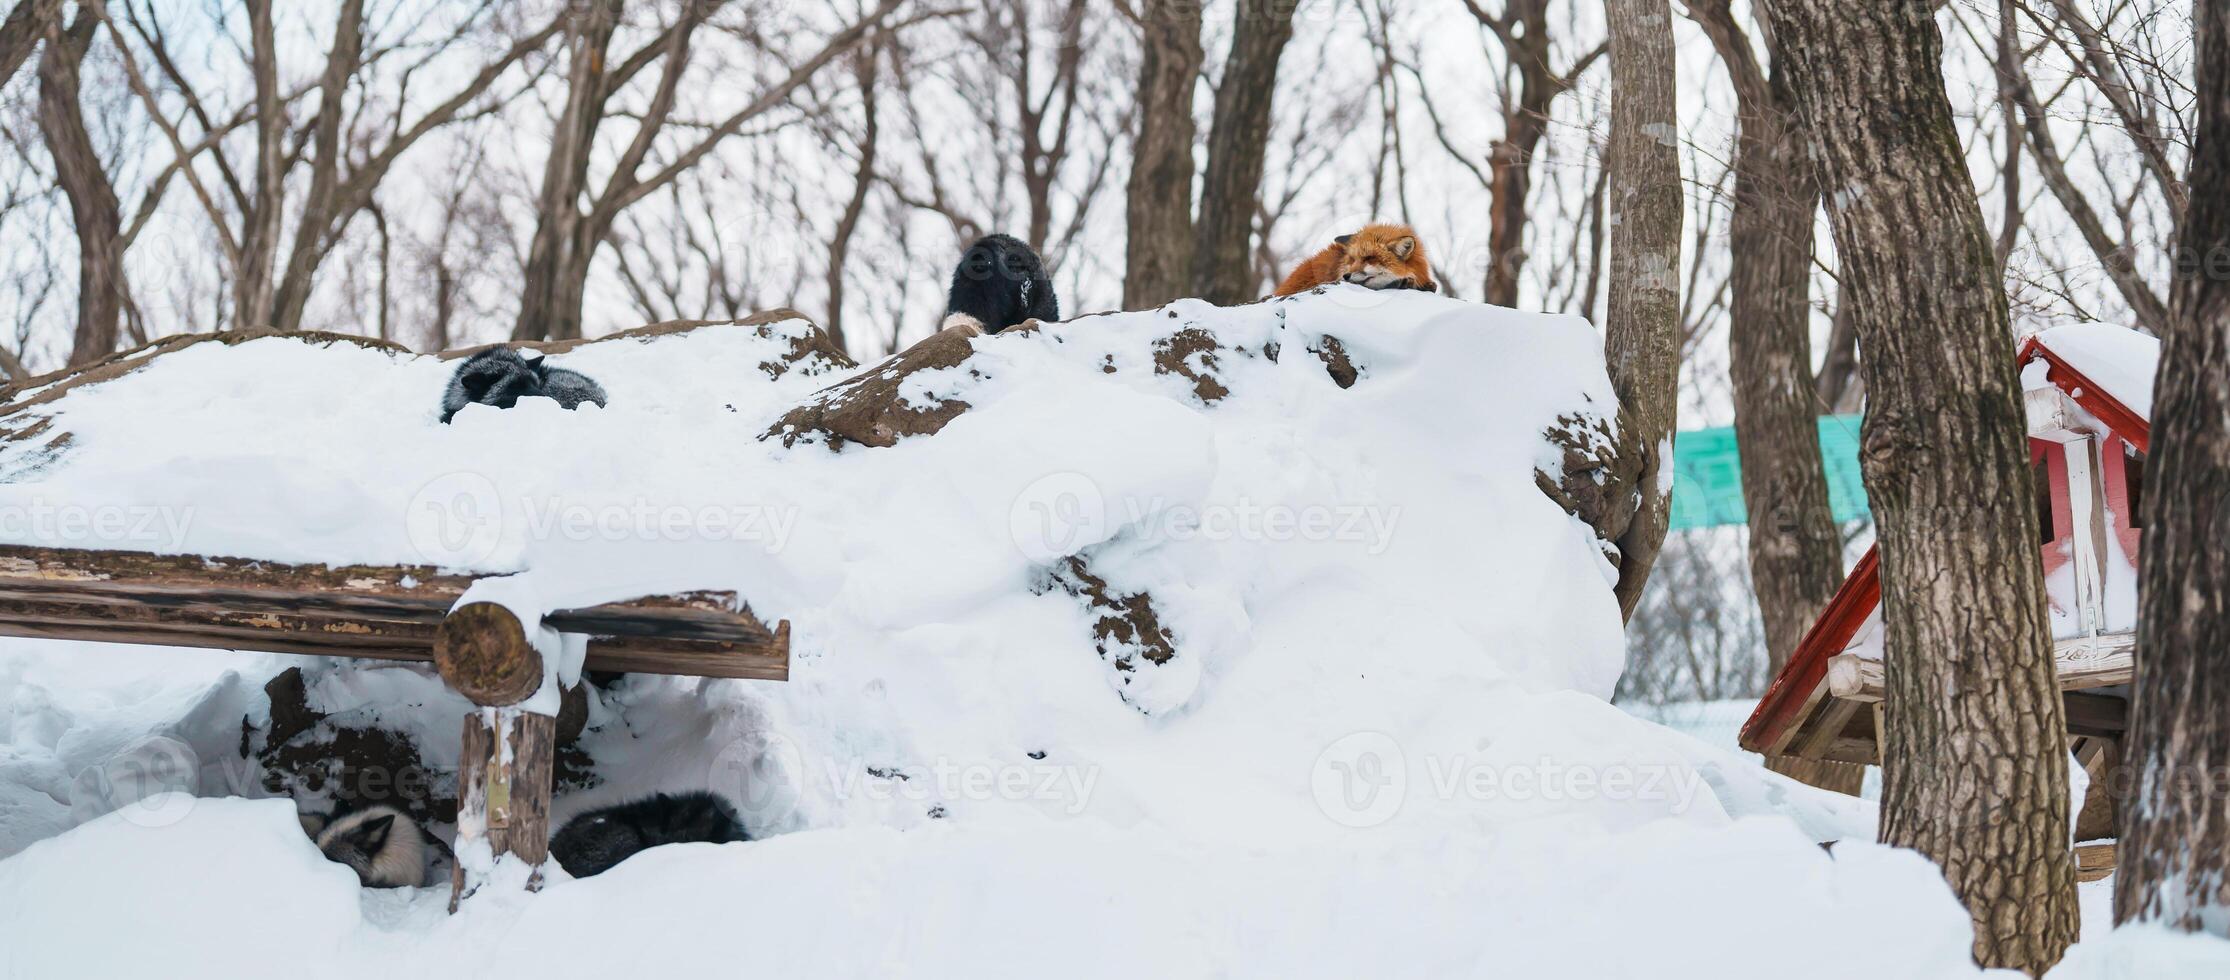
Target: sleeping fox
[(1378, 257)]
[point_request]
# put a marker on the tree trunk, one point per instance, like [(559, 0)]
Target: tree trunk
[(1796, 555), (1236, 146), (1975, 772), (865, 65), (1510, 161), (2174, 857), (93, 207), (20, 33), (320, 221), (254, 290), (1641, 325), (1158, 252), (543, 312)]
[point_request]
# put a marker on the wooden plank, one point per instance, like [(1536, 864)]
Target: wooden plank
[(2094, 861), (2088, 663), (1786, 735), (377, 612), (1826, 726), (2088, 525), (2095, 661), (2096, 715), (2082, 663), (1854, 677)]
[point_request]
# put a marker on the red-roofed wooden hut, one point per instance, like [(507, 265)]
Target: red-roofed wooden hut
[(2088, 389)]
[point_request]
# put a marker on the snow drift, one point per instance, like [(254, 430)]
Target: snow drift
[(1180, 642)]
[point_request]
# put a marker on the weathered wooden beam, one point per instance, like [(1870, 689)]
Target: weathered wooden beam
[(374, 612), (2094, 861), (2096, 715), (483, 652), (1823, 736), (2081, 664), (1824, 730)]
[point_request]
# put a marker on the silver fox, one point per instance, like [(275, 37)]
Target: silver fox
[(500, 376), (593, 842)]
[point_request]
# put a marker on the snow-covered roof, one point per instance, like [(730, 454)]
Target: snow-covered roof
[(2118, 359)]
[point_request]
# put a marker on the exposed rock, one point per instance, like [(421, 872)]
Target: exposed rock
[(868, 408), (1194, 354), (1126, 629), (1333, 353), (1599, 470)]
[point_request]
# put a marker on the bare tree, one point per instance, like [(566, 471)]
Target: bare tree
[(1158, 246), (1975, 769), (1641, 327), (1045, 107), (1695, 636), (84, 179), (1232, 183), (1522, 29), (864, 68), (566, 235), (250, 220), (25, 25), (1796, 556), (2174, 862)]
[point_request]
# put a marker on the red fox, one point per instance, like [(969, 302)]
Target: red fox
[(1378, 257)]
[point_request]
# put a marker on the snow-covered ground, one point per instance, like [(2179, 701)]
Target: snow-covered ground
[(1381, 749)]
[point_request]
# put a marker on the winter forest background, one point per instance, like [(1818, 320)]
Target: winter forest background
[(484, 181)]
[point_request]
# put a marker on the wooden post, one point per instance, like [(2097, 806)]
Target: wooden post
[(503, 791), (504, 772)]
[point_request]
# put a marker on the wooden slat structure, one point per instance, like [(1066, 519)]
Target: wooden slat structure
[(407, 613), (374, 612), (398, 613)]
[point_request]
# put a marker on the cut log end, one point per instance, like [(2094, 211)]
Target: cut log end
[(482, 651)]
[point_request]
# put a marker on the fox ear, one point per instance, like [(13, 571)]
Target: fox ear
[(1343, 239), (1403, 246), (373, 834)]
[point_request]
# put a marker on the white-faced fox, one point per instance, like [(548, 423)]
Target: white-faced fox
[(382, 844)]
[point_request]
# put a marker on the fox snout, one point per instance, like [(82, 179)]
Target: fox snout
[(1364, 278)]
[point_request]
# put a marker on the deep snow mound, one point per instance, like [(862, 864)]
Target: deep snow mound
[(1261, 621)]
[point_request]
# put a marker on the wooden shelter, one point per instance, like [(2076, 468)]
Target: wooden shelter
[(2087, 448), (388, 612)]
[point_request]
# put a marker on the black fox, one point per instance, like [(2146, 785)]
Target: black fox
[(593, 842), (499, 376), (1000, 282)]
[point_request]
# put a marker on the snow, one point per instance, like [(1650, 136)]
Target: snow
[(1382, 748), (2118, 359)]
